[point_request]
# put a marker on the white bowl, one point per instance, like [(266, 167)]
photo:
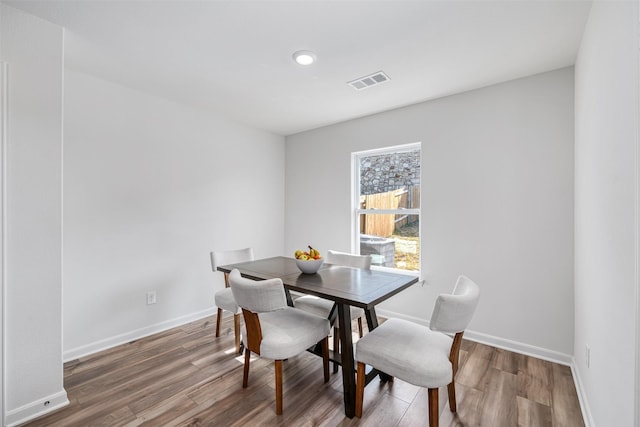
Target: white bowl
[(310, 266)]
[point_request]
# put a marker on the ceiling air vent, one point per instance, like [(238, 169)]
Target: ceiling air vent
[(369, 81)]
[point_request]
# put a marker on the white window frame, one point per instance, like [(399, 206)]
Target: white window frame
[(355, 200)]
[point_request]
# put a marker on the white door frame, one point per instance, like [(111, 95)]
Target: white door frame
[(4, 79), (637, 221)]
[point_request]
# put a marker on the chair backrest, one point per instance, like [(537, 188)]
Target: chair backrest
[(257, 296), (230, 257), (453, 312), (348, 260)]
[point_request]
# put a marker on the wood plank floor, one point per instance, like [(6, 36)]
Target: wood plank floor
[(187, 377)]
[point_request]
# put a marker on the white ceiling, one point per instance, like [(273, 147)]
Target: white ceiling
[(234, 57)]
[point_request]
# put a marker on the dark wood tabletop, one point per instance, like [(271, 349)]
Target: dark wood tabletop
[(345, 286), (352, 286)]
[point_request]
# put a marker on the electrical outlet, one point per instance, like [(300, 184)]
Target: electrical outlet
[(587, 354), (151, 297)]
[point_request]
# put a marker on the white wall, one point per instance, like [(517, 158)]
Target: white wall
[(150, 188), (497, 203), (606, 212), (33, 288)]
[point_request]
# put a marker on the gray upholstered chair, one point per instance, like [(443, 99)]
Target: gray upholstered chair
[(224, 298), (420, 355), (274, 330), (322, 307)]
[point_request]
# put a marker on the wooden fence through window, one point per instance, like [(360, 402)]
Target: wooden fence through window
[(384, 225)]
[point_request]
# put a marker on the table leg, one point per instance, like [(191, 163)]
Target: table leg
[(372, 318), (288, 296), (348, 364)]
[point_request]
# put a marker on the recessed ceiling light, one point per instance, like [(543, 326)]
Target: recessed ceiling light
[(304, 57)]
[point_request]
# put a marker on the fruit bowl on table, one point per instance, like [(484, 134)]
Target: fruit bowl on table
[(309, 266)]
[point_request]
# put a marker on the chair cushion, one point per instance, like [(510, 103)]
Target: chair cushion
[(224, 300), (257, 295), (406, 350), (288, 332), (453, 312), (322, 307), (348, 260)]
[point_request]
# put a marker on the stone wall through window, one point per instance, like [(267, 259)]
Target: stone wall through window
[(390, 171)]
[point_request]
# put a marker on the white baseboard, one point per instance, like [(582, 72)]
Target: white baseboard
[(107, 343), (582, 397), (522, 348), (36, 409)]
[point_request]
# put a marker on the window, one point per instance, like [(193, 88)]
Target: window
[(386, 201)]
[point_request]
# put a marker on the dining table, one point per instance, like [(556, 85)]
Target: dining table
[(347, 287)]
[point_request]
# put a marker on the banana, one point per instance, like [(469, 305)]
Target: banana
[(312, 254)]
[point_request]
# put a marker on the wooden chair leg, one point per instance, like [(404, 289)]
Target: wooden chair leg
[(325, 358), (454, 357), (336, 347), (451, 388), (245, 375), (279, 387), (360, 333), (218, 321), (433, 407), (359, 388), (236, 330)]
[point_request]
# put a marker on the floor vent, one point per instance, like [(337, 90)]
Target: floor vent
[(369, 81)]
